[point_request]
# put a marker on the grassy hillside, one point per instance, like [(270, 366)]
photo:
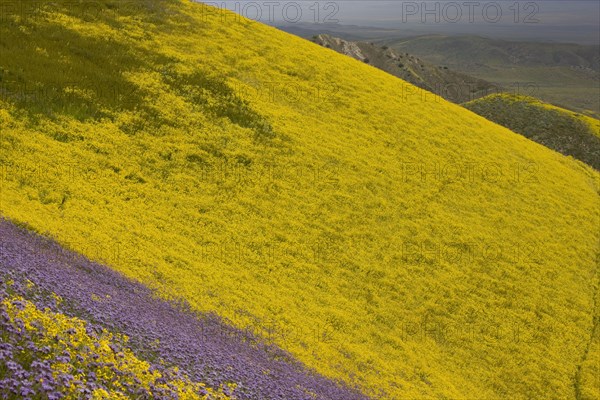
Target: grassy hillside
[(450, 85), (559, 73), (562, 130), (397, 242)]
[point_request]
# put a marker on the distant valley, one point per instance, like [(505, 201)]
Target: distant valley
[(559, 73)]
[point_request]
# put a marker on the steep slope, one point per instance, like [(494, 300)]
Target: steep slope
[(405, 245), (452, 86), (562, 130)]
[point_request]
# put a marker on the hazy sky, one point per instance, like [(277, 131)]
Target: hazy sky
[(546, 19)]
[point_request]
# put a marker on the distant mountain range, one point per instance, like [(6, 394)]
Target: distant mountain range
[(559, 73), (472, 50)]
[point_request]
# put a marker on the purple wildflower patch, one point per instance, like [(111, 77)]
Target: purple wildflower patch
[(202, 345)]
